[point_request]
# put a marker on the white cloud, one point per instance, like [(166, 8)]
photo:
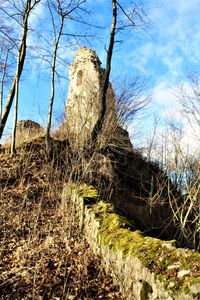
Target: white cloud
[(166, 104), (177, 29), (37, 14), (164, 97), (172, 46)]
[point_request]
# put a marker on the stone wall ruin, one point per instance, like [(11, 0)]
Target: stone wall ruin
[(83, 103), (145, 268), (28, 129), (137, 188)]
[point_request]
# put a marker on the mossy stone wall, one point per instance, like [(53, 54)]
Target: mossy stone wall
[(144, 267)]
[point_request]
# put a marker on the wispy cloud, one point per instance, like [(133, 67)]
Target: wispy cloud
[(171, 47), (166, 104)]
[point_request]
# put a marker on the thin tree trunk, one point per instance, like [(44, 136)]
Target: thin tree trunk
[(49, 117), (2, 84), (13, 143), (103, 92), (21, 59)]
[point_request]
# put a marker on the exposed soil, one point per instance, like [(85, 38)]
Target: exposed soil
[(42, 252)]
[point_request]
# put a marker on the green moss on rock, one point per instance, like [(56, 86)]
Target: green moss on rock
[(159, 257), (87, 191)]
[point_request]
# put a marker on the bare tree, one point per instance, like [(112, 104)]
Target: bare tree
[(4, 68), (63, 10), (6, 46), (15, 117), (189, 96), (99, 124), (130, 98), (24, 14), (133, 17), (180, 161)]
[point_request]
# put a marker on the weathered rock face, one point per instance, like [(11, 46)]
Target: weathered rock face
[(27, 129), (28, 124), (83, 103)]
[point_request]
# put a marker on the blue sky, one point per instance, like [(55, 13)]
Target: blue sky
[(163, 53)]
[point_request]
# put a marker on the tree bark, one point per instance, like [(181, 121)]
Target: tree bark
[(103, 92), (19, 69), (13, 143), (49, 118), (2, 84)]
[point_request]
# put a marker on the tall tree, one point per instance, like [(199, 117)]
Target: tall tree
[(6, 46), (13, 143), (103, 92), (4, 68), (133, 17), (64, 11), (24, 13)]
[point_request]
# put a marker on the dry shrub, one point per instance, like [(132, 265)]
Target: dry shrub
[(43, 254)]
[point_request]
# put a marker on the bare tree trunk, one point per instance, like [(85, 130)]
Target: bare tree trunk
[(98, 126), (13, 143), (2, 84), (49, 117), (21, 59)]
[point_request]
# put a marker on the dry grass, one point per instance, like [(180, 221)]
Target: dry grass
[(42, 253)]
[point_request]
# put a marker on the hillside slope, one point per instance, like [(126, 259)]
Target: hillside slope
[(42, 253)]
